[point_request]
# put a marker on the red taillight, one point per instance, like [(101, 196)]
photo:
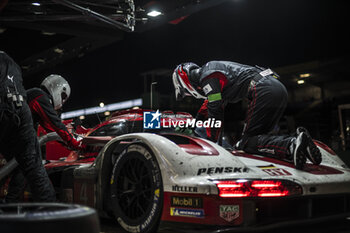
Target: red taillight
[(269, 188), (233, 189), (257, 188), (263, 184)]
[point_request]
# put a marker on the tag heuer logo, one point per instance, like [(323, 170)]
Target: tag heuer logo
[(229, 212)]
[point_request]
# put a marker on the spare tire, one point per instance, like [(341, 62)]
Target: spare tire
[(47, 217)]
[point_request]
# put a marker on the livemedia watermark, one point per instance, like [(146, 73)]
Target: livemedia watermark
[(155, 120)]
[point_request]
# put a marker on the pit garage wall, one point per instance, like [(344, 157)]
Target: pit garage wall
[(305, 93), (316, 108)]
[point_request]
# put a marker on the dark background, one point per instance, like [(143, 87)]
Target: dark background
[(269, 33)]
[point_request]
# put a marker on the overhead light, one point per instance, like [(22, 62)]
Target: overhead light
[(300, 81), (154, 13), (109, 107), (41, 60), (102, 104), (306, 75), (107, 113), (82, 117), (58, 50), (48, 33), (36, 4)]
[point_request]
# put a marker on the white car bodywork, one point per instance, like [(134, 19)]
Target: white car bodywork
[(181, 169)]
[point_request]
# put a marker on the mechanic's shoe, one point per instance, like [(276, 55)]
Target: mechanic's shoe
[(313, 153), (299, 156)]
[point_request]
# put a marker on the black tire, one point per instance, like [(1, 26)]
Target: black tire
[(137, 190), (48, 217)]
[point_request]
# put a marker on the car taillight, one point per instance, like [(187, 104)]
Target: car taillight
[(269, 188), (257, 188), (233, 189)]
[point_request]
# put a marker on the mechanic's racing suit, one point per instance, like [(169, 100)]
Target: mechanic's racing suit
[(17, 135), (229, 82), (43, 113)]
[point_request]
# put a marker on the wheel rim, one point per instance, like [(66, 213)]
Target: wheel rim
[(134, 188)]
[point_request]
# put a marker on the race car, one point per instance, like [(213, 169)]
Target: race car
[(146, 177)]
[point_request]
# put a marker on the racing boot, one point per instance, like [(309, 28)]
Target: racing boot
[(299, 150), (312, 151)]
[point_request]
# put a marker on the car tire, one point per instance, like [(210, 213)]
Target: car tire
[(137, 189), (48, 217)]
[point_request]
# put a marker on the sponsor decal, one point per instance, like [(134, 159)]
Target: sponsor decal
[(266, 72), (151, 120), (154, 120), (156, 192), (187, 189), (127, 227), (274, 171), (229, 212), (181, 212), (207, 88), (153, 211), (192, 202), (220, 170), (150, 217), (141, 150)]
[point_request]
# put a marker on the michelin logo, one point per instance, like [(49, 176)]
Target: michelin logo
[(151, 120), (181, 212)]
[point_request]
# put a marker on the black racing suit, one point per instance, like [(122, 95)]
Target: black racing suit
[(229, 82), (43, 113), (17, 135)]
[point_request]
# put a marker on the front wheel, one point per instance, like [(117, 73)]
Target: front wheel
[(137, 189)]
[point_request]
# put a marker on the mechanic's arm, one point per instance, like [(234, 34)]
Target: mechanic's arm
[(212, 88), (51, 122)]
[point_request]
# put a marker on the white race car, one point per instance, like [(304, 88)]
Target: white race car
[(145, 178)]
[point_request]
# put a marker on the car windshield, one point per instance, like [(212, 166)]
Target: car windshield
[(120, 128), (113, 129)]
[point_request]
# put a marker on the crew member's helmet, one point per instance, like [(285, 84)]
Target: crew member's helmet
[(181, 81), (58, 88)]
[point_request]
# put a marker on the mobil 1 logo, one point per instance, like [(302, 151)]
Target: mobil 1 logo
[(192, 202)]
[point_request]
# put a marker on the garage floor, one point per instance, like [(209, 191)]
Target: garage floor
[(342, 226)]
